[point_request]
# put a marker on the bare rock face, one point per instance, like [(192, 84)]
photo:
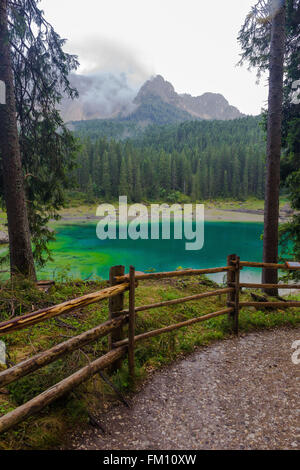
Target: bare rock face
[(105, 96), (157, 86), (3, 238), (206, 106), (210, 106)]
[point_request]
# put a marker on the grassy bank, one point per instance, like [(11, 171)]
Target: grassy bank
[(49, 428), (215, 210)]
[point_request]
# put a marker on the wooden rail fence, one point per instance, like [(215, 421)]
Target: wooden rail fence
[(118, 317)]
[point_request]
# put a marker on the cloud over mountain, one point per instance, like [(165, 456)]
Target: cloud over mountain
[(108, 95)]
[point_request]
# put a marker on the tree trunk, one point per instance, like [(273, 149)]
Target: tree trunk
[(271, 218), (21, 257)]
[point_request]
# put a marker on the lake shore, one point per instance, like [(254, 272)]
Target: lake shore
[(251, 210), (211, 214), (215, 211)]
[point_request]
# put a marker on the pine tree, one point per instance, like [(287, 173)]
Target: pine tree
[(245, 179), (40, 79), (106, 180), (226, 185), (21, 256), (265, 47), (271, 219), (123, 185), (137, 188)]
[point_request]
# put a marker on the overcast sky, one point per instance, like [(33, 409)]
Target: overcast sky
[(191, 43)]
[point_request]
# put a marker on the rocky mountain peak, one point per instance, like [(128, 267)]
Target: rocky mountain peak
[(158, 86), (108, 97), (206, 106)]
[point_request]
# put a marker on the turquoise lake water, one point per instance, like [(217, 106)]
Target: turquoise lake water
[(78, 249)]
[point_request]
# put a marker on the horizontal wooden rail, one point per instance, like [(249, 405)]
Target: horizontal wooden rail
[(39, 402), (46, 357), (29, 319), (182, 300), (166, 274), (120, 283), (176, 326), (283, 267), (286, 304), (267, 286)]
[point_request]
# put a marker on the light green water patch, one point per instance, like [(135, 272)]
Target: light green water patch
[(78, 251)]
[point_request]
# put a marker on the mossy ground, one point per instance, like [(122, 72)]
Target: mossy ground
[(48, 429)]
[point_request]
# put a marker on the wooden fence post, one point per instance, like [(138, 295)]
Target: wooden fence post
[(237, 296), (116, 304), (233, 280), (131, 328)]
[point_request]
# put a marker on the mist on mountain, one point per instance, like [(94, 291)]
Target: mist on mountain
[(101, 95), (109, 96)]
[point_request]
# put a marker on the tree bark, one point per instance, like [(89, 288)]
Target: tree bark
[(21, 257), (271, 217)]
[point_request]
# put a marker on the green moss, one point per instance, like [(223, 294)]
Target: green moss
[(48, 428)]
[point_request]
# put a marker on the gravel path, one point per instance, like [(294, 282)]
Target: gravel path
[(236, 394)]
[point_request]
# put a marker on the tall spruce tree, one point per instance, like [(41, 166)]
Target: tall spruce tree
[(40, 70), (290, 168), (21, 257), (263, 39), (274, 140)]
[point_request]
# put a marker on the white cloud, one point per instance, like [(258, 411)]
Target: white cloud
[(192, 44)]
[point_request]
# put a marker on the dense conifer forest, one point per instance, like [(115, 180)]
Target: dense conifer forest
[(194, 160)]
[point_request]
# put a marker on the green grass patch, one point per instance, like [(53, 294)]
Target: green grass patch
[(48, 429)]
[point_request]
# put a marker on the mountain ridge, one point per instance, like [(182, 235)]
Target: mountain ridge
[(156, 102), (206, 106)]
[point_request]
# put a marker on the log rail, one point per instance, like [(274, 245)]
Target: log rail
[(118, 317), (19, 323)]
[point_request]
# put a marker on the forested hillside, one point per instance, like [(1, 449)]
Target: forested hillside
[(152, 111), (109, 128), (197, 160)]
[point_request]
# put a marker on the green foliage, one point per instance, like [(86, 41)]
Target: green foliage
[(289, 234), (154, 111), (108, 128), (194, 160), (30, 386), (48, 428), (254, 38), (255, 35), (48, 148)]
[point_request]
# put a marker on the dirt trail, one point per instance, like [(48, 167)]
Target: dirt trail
[(236, 394)]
